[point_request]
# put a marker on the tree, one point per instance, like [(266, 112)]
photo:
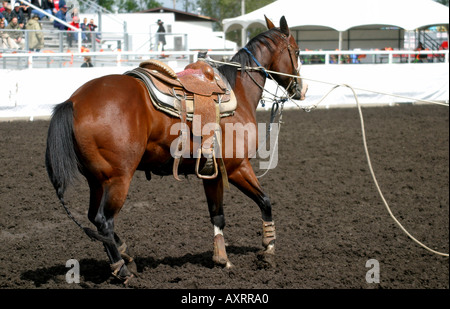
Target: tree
[(107, 4), (126, 6), (221, 9), (444, 2)]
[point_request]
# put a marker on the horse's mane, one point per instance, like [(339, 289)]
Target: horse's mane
[(268, 39)]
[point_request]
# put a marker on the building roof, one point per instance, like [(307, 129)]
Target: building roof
[(180, 15), (342, 15)]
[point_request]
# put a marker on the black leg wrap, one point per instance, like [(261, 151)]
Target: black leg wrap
[(218, 221)]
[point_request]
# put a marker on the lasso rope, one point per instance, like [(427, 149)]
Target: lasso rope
[(363, 135)]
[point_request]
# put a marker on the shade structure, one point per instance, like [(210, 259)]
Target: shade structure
[(342, 15)]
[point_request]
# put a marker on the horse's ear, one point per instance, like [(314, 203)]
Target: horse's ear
[(284, 26), (269, 23)]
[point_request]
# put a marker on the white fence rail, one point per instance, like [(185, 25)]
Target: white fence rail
[(123, 58), (34, 92), (370, 56)]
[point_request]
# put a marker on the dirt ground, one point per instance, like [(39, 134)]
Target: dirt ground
[(330, 219)]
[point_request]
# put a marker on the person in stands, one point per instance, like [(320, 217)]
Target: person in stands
[(92, 27), (16, 32), (45, 5), (56, 4), (36, 36), (5, 40), (26, 9), (18, 12), (84, 28), (61, 14), (4, 4), (7, 13), (72, 35)]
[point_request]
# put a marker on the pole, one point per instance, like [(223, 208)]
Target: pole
[(243, 31)]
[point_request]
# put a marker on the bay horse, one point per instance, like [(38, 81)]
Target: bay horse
[(109, 128)]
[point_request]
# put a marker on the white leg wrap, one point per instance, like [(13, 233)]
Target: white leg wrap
[(217, 231)]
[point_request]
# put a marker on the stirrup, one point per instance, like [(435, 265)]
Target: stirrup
[(208, 163)]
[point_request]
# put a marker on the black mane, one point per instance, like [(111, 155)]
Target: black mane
[(268, 39)]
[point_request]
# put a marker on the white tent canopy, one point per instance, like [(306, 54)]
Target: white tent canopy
[(343, 15)]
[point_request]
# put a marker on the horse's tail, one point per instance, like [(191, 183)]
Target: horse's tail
[(61, 159)]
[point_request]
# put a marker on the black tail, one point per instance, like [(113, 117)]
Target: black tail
[(61, 159)]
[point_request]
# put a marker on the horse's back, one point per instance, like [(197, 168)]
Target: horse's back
[(111, 124)]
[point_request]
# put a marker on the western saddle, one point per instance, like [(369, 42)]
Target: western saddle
[(198, 94)]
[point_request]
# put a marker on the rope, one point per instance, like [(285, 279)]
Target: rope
[(235, 64), (375, 179), (366, 150)]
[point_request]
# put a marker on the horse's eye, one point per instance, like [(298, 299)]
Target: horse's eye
[(297, 53)]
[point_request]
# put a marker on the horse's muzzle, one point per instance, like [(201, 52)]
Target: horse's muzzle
[(300, 88)]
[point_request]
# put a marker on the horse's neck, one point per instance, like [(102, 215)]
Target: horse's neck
[(256, 80), (250, 86)]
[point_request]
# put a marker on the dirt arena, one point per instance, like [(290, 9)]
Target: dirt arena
[(330, 219)]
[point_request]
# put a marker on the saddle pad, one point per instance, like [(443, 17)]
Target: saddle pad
[(164, 99)]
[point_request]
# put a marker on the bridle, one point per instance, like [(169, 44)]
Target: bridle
[(293, 54), (293, 81)]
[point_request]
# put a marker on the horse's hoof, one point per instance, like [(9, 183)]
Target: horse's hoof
[(127, 280), (132, 268), (121, 272), (223, 262), (228, 265), (266, 259)]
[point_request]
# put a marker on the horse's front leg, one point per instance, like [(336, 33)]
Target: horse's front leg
[(245, 180), (214, 196)]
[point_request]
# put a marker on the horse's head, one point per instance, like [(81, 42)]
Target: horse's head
[(286, 60)]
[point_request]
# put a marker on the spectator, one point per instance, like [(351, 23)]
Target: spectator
[(84, 28), (7, 13), (4, 4), (87, 62), (35, 37), (16, 32), (160, 35), (61, 14), (73, 35), (5, 39), (45, 5), (56, 4), (2, 18), (18, 12), (92, 26), (26, 9)]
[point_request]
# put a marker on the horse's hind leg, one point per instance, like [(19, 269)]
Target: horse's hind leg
[(245, 180), (105, 202), (214, 196)]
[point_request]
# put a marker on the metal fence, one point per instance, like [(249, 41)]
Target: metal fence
[(45, 59)]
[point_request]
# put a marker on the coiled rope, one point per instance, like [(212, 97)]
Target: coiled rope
[(335, 86)]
